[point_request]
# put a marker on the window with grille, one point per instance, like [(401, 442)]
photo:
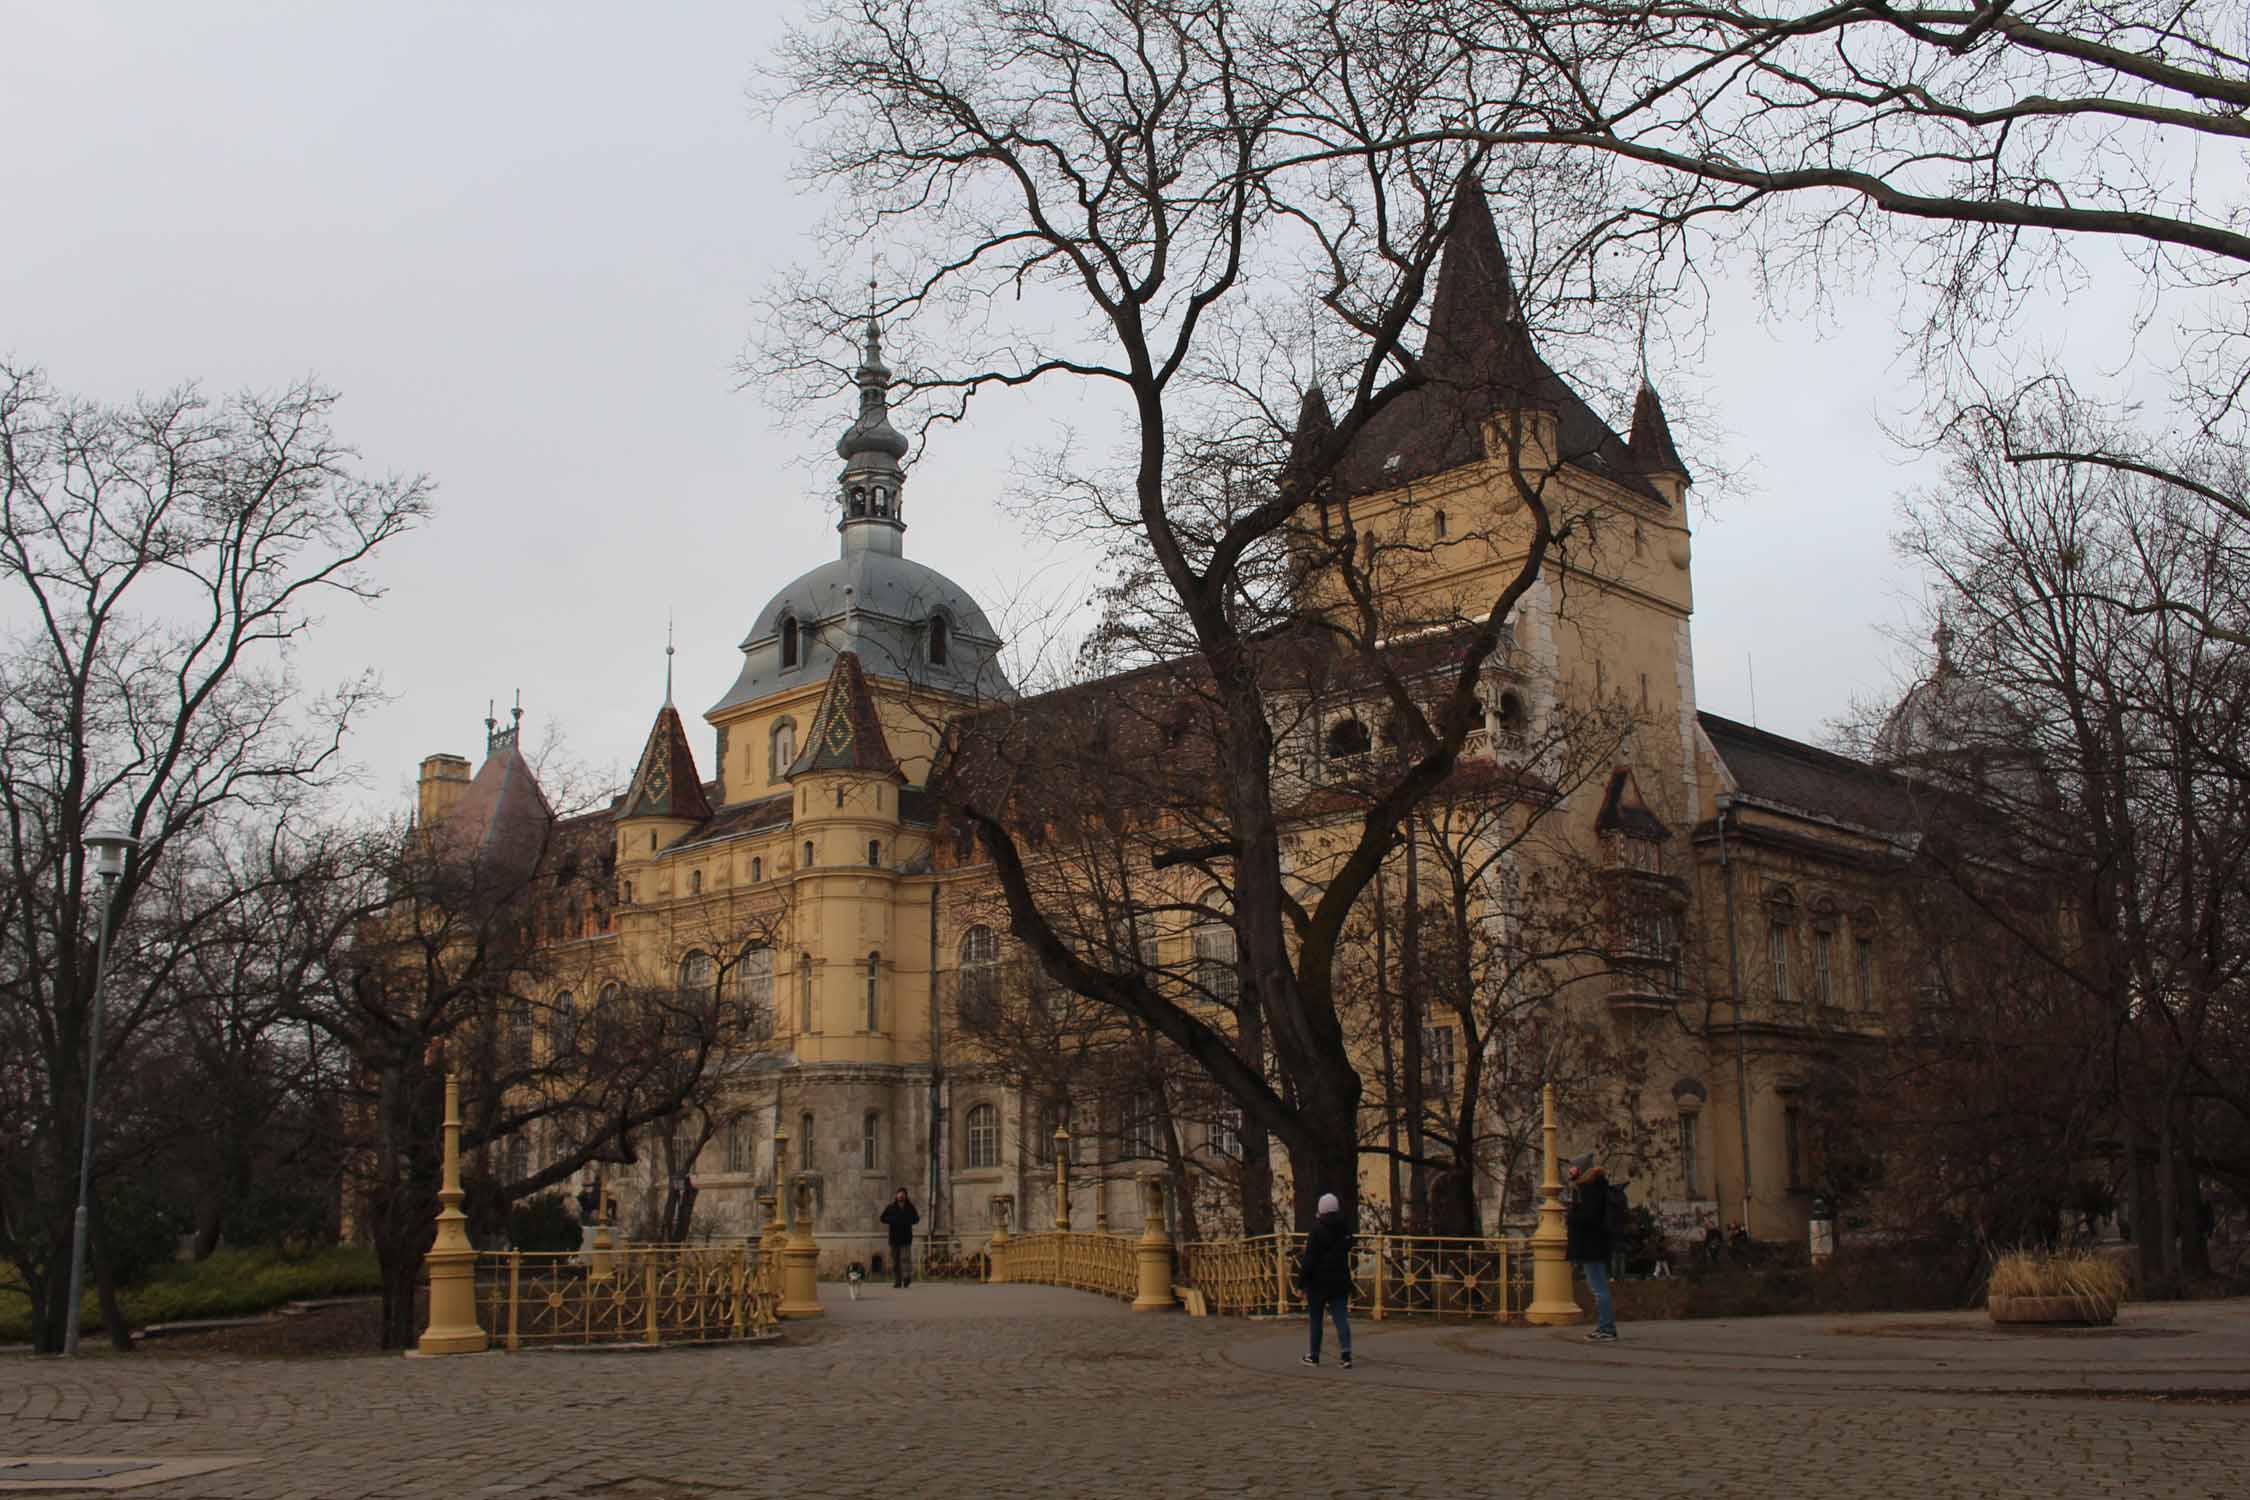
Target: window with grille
[(1226, 1132), (754, 990), (742, 1148), (1051, 1119), (519, 1033), (1823, 946), (978, 978), (1866, 957), (1777, 945), (1689, 1165), (984, 1136), (1215, 957), (1137, 1135), (1437, 1061), (562, 1023)]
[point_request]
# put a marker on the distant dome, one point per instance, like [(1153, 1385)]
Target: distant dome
[(1952, 728), (879, 605)]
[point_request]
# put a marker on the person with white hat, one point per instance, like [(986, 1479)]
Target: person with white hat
[(1326, 1276)]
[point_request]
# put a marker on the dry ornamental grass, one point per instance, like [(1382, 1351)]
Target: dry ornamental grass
[(2058, 1273)]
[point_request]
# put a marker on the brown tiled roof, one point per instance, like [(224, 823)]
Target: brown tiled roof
[(1624, 810), (846, 734), (667, 784), (503, 820), (1479, 360), (1802, 777), (744, 817)]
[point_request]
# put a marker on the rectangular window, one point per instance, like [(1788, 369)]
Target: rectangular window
[(1793, 1145), (804, 1143), (1823, 944), (1777, 943), (1866, 955), (1226, 1133), (804, 992), (870, 1135), (1688, 1163), (1437, 1061), (742, 1148), (1139, 1132)]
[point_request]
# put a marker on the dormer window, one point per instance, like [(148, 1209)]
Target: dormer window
[(788, 641), (937, 640)]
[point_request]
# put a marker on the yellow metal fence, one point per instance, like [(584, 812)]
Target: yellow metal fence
[(1101, 1263), (636, 1294), (1393, 1275)]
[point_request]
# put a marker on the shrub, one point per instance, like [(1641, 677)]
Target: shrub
[(544, 1223), (2058, 1273), (138, 1237), (294, 1223)]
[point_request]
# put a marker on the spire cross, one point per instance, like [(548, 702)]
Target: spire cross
[(667, 659)]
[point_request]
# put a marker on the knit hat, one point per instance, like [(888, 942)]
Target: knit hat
[(1581, 1165), (1329, 1205)]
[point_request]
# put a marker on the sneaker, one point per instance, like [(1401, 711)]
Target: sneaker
[(1347, 1361), (1309, 1359), (1599, 1336)]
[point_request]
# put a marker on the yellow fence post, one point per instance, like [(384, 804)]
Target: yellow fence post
[(800, 1260), (515, 1275), (453, 1327), (1280, 1274), (1551, 1301), (1382, 1245), (648, 1293), (1153, 1252)]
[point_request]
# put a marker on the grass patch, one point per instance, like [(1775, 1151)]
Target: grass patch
[(231, 1283), (2058, 1273), (1864, 1281)]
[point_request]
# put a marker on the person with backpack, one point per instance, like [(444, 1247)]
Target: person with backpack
[(1325, 1274), (1599, 1217)]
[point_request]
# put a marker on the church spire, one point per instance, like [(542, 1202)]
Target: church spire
[(1651, 443), (868, 489)]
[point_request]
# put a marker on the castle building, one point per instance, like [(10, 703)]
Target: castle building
[(805, 867)]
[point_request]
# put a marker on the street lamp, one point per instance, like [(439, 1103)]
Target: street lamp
[(110, 849)]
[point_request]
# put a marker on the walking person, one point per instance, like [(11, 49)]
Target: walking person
[(1591, 1238), (1326, 1276), (900, 1218)]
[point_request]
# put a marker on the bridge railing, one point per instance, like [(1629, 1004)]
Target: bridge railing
[(1393, 1275), (1101, 1263), (633, 1294)]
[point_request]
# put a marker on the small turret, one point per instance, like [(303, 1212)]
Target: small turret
[(868, 491), (1650, 447)]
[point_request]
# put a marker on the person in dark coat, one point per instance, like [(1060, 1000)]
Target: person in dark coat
[(1326, 1276), (900, 1218), (1588, 1223)]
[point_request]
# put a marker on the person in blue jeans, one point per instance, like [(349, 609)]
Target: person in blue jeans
[(1326, 1276), (1588, 1224)]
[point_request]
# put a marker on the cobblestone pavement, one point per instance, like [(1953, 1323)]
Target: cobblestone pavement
[(955, 1390)]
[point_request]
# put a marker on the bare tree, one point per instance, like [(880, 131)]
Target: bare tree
[(159, 558), (1145, 177)]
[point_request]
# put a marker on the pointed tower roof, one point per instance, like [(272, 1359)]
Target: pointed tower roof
[(1479, 360), (846, 734), (667, 784), (501, 823), (1315, 426), (1651, 443)]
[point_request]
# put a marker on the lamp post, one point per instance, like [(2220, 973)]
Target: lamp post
[(110, 849)]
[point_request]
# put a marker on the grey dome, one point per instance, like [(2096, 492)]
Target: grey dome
[(879, 605)]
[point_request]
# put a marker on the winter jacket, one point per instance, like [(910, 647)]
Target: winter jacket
[(1326, 1270), (1588, 1219), (902, 1217)]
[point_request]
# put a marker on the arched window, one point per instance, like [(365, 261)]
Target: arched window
[(804, 1142), (938, 642), (626, 894), (562, 1023), (608, 996), (699, 975), (1440, 520), (882, 500), (1511, 717), (875, 992), (788, 641), (859, 500), (784, 749), (808, 854), (870, 1140), (979, 979), (519, 1033), (695, 882), (1215, 956), (757, 869), (875, 853), (754, 989), (984, 1137), (804, 992), (1347, 737)]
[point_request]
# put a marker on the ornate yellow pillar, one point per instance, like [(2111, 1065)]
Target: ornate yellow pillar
[(800, 1260), (1152, 1253), (1062, 1179), (453, 1260), (1551, 1302), (605, 1240), (997, 1247)]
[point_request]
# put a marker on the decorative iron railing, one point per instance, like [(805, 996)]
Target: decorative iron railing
[(1393, 1275), (1101, 1263), (636, 1294)]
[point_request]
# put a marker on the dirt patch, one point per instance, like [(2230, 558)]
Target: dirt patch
[(322, 1333)]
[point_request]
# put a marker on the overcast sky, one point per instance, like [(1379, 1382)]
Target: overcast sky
[(524, 242)]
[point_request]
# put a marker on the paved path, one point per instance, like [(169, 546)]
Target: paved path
[(1022, 1391)]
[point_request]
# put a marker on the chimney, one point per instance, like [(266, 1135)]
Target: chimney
[(444, 779)]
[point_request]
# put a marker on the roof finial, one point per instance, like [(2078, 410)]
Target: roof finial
[(667, 658), (517, 712), (1943, 638)]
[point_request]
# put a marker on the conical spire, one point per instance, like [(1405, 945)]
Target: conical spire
[(1651, 443), (846, 733), (1477, 332), (1315, 425), (667, 785)]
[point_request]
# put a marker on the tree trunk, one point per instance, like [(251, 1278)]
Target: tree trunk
[(1411, 1061), (2140, 1199), (1386, 1030), (2195, 1247), (1257, 1141), (105, 1284)]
